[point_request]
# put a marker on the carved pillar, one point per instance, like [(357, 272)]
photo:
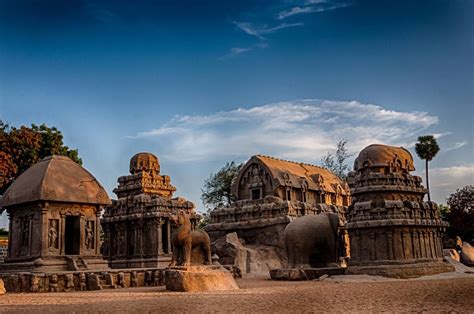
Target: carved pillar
[(44, 232), (422, 244), (82, 228), (168, 235), (407, 248), (97, 231), (416, 245), (30, 234), (372, 246), (62, 234), (160, 237), (390, 244), (398, 244), (10, 232), (432, 245)]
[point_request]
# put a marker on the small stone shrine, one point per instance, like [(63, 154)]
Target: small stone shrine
[(138, 225), (54, 209), (392, 231), (269, 193)]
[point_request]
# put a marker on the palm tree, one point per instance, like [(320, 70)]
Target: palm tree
[(426, 149)]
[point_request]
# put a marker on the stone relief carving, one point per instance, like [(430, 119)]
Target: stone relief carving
[(89, 233), (53, 234)]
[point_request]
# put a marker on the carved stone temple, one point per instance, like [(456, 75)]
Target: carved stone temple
[(138, 225), (393, 232), (270, 192), (54, 209)]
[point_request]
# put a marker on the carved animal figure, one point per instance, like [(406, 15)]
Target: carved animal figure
[(311, 240), (184, 240), (466, 252)]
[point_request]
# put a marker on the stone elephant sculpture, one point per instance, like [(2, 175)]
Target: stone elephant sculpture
[(311, 240)]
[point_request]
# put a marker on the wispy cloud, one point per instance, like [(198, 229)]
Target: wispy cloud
[(456, 146), (445, 180), (301, 130), (313, 7), (235, 51), (259, 31)]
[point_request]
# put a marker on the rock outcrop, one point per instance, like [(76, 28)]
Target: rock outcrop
[(249, 258)]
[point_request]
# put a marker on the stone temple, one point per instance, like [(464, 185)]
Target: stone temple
[(54, 209), (393, 232), (138, 225), (270, 192)]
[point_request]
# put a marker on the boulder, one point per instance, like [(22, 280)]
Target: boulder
[(199, 279), (2, 287), (249, 258), (467, 254)]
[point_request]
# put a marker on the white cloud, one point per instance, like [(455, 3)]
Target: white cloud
[(318, 8), (300, 130), (455, 146), (445, 180), (259, 31)]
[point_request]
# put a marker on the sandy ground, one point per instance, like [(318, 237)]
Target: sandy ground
[(259, 294)]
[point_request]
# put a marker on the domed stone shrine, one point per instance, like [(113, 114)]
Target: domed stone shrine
[(54, 209), (392, 231)]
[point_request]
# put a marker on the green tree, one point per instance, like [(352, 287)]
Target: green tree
[(337, 162), (22, 147), (216, 191), (426, 148), (461, 213)]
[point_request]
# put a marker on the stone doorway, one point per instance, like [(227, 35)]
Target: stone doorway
[(72, 239)]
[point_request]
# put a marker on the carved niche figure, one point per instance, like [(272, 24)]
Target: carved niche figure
[(184, 239), (89, 235), (34, 283), (148, 278), (69, 286), (82, 282), (133, 279), (25, 232), (157, 278), (53, 283), (121, 280), (53, 234)]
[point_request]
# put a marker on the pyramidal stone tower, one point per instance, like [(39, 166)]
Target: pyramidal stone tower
[(393, 232), (138, 225)]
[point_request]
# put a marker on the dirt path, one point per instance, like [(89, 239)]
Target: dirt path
[(260, 295)]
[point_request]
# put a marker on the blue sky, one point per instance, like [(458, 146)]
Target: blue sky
[(199, 83)]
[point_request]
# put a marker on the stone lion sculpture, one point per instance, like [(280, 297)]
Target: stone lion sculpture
[(184, 240), (311, 240)]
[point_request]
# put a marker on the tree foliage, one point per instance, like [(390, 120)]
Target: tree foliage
[(426, 148), (461, 213), (337, 162), (24, 146), (216, 191)]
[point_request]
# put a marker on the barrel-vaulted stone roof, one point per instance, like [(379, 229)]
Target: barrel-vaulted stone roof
[(55, 178), (285, 172)]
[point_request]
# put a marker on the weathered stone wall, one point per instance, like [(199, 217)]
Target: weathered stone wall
[(77, 281)]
